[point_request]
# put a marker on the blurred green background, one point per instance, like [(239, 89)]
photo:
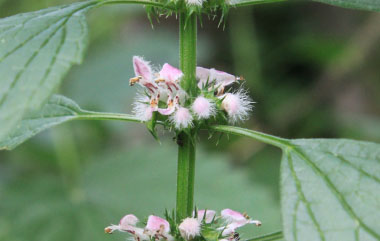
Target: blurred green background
[(313, 71)]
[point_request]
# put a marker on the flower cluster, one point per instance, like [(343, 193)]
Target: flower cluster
[(163, 96), (203, 223)]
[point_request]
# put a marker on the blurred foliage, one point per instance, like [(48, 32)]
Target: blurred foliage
[(312, 70), (119, 182)]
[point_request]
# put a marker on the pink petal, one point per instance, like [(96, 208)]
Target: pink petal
[(142, 68), (210, 214), (170, 73), (129, 219), (156, 223), (232, 216), (222, 78), (167, 111), (203, 75)]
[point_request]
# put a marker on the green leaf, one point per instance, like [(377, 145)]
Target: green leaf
[(371, 5), (36, 51), (57, 110), (330, 187), (331, 190)]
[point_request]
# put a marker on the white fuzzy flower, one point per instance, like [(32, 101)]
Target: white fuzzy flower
[(189, 228), (182, 118), (203, 108), (237, 106)]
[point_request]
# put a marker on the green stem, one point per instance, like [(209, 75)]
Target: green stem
[(185, 176), (92, 115), (188, 52), (268, 139), (141, 2), (268, 237), (255, 2), (186, 140)]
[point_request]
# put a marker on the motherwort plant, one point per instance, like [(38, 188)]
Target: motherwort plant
[(318, 201)]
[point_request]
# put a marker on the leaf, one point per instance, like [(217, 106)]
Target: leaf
[(331, 190), (36, 51), (371, 5), (58, 110), (330, 187)]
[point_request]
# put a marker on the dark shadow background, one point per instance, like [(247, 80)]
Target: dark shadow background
[(313, 71)]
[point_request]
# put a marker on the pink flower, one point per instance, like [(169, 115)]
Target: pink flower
[(214, 78), (182, 118), (203, 108), (172, 105), (158, 227), (144, 74), (235, 220), (189, 228), (143, 107), (237, 106), (170, 76), (157, 224), (128, 220), (128, 224), (208, 215)]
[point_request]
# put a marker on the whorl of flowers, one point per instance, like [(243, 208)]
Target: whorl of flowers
[(202, 224), (163, 96)]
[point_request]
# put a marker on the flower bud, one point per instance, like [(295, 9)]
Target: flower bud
[(203, 108), (189, 228), (237, 106), (182, 118)]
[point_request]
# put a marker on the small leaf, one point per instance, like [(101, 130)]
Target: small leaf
[(36, 51), (151, 126), (210, 234), (58, 110)]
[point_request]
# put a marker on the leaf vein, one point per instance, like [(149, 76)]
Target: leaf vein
[(336, 193), (302, 197)]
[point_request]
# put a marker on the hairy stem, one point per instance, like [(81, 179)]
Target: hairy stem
[(186, 140), (188, 52)]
